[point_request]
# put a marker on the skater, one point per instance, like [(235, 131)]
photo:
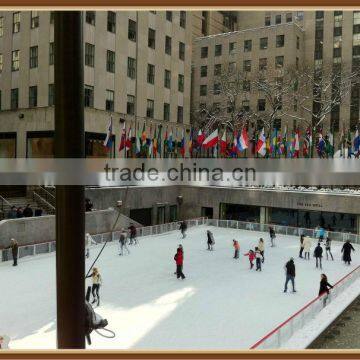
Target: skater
[(324, 288), (272, 236), (179, 259), (301, 246), (320, 233), (328, 249), (237, 248), (318, 255), (96, 283), (14, 250), (258, 258), (132, 232), (261, 247), (180, 248), (251, 256), (290, 274), (210, 240), (307, 247), (346, 250), (122, 241), (183, 228)]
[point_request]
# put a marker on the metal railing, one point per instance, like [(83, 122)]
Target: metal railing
[(45, 195), (44, 203), (4, 204), (276, 338)]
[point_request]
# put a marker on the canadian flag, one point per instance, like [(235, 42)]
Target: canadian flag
[(200, 137), (223, 143), (211, 140), (261, 144), (244, 139)]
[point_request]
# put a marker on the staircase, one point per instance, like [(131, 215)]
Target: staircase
[(45, 198)]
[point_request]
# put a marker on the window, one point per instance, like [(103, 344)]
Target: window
[(263, 43), (295, 104), (356, 17), (181, 81), (111, 21), (297, 63), (1, 26), (204, 52), (231, 48), (319, 15), (337, 52), (278, 19), (217, 88), (150, 74), (32, 96), (245, 105), (151, 38), (232, 67), (153, 12), (110, 61), (89, 54), (203, 71), (169, 15), (218, 50), (338, 31), (15, 60), (217, 69), (0, 101), (299, 15), (262, 64), (109, 103), (90, 17), (338, 41), (247, 45), (14, 99), (89, 96), (246, 85), (168, 45), (51, 53), (33, 57), (183, 19), (297, 42), (247, 65), (34, 23), (150, 108), (261, 104), (203, 90), (267, 20), (356, 39), (131, 68), (180, 114), (16, 22), (338, 18), (280, 40), (167, 79), (52, 17), (1, 62), (181, 51), (279, 62), (51, 95), (130, 105), (166, 112), (132, 30), (288, 17)]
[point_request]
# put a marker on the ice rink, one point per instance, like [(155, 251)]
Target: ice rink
[(220, 305)]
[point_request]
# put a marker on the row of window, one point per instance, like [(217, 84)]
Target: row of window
[(278, 18), (279, 42)]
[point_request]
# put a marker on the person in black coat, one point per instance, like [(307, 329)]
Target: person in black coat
[(346, 250), (301, 246), (324, 288), (272, 236), (28, 212), (290, 274), (318, 255), (183, 228)]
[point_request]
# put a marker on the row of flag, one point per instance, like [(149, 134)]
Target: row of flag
[(232, 144)]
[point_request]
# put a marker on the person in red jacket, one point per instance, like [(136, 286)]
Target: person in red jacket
[(251, 256), (179, 259)]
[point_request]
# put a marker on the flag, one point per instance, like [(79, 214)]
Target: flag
[(191, 142), (234, 148), (211, 140), (128, 140), (109, 135), (149, 143), (143, 134), (273, 146), (182, 146), (155, 142), (307, 143), (329, 145), (244, 139), (170, 141), (166, 141), (223, 143), (200, 137), (297, 144), (357, 141), (138, 145), (290, 147), (283, 144), (123, 138), (267, 145), (159, 143), (261, 144)]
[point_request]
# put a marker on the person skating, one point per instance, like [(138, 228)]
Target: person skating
[(236, 246), (96, 283), (261, 247), (180, 247), (179, 259), (301, 246), (318, 255), (328, 248), (346, 250), (251, 256), (324, 288), (272, 236), (183, 228), (320, 233), (307, 247), (258, 258), (210, 240), (132, 232), (290, 274), (122, 241), (14, 250)]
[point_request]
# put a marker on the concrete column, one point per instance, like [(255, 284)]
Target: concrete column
[(21, 144), (154, 215), (264, 215), (167, 213), (358, 224)]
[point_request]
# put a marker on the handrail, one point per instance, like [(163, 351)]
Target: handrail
[(4, 200), (43, 200), (47, 192)]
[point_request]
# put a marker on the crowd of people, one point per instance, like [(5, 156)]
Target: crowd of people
[(20, 212)]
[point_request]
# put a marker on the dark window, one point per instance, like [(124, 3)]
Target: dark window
[(166, 112), (14, 99), (181, 51), (32, 96), (337, 52), (51, 95), (51, 53), (337, 31), (130, 105), (247, 45), (279, 61), (217, 69), (231, 47), (356, 29), (247, 65), (246, 85), (245, 105), (15, 60), (181, 81), (335, 118), (278, 19), (34, 20), (263, 43), (16, 22), (319, 15), (167, 79), (150, 108), (168, 45), (110, 61), (89, 96), (204, 52), (267, 20), (180, 114), (288, 17), (52, 17), (217, 88), (203, 90), (132, 30), (280, 40), (111, 21), (151, 74), (183, 19), (89, 54), (131, 68), (169, 15), (109, 103), (203, 71), (33, 57), (151, 38), (90, 17), (261, 104), (263, 64), (218, 50), (1, 62), (1, 26)]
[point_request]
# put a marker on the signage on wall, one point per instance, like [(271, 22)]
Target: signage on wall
[(309, 205)]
